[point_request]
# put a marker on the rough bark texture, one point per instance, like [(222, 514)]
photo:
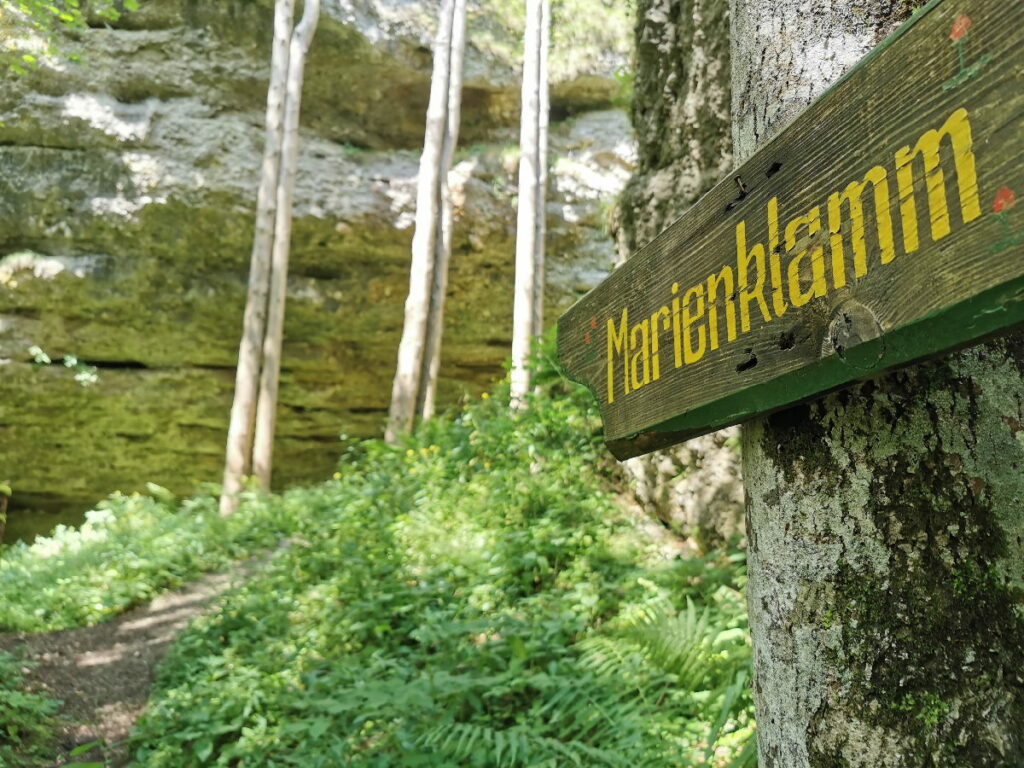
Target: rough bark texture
[(885, 522), (681, 117), (680, 113)]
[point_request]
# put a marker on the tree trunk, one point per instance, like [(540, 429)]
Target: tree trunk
[(680, 114), (443, 239), (884, 522), (531, 202), (243, 408), (543, 117), (3, 519), (406, 388), (266, 410)]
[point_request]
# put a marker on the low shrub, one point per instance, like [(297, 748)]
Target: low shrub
[(129, 549), (473, 597), (26, 718)]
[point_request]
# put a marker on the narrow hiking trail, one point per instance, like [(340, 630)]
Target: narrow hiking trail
[(104, 673)]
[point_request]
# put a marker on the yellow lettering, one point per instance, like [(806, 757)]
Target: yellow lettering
[(617, 343), (775, 258), (853, 195), (743, 259), (724, 279), (958, 129), (640, 344), (677, 333), (655, 351), (812, 222), (689, 354), (693, 318)]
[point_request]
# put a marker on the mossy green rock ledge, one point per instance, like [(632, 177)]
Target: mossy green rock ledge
[(127, 191)]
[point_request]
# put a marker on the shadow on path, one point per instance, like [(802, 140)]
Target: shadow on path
[(104, 673)]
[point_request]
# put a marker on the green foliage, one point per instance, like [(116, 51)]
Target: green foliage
[(26, 718), (31, 28), (85, 374), (129, 549), (447, 603), (698, 661), (927, 707)]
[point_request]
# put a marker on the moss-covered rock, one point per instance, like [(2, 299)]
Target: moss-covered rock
[(127, 192)]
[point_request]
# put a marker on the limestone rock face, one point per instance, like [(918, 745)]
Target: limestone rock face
[(127, 194)]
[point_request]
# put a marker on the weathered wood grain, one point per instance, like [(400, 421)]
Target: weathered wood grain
[(926, 138)]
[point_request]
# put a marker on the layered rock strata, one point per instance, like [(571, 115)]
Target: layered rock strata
[(127, 191)]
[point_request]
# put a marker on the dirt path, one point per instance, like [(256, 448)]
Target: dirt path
[(104, 673)]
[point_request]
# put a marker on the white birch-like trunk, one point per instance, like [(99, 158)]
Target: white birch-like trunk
[(523, 313), (543, 117), (266, 409), (243, 407), (884, 522), (427, 394), (411, 350)]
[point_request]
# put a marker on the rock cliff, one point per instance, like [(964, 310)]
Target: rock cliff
[(127, 189)]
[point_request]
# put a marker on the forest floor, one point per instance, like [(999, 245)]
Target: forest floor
[(104, 673)]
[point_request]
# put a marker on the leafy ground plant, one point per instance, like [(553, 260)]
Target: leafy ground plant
[(130, 549), (26, 718), (473, 597)]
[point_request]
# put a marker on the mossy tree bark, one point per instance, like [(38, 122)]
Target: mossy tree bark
[(680, 113), (885, 522)]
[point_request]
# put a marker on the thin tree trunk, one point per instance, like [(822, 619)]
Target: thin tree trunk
[(3, 519), (243, 408), (266, 410), (523, 314), (543, 114), (406, 386), (443, 239), (886, 538)]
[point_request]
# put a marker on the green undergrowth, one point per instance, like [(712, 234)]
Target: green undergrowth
[(27, 718), (473, 597), (130, 549)]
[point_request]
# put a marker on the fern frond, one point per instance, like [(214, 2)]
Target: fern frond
[(519, 745)]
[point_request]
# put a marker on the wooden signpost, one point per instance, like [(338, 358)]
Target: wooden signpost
[(881, 227)]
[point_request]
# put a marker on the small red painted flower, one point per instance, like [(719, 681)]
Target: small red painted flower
[(961, 24), (1005, 199), (593, 323), (586, 339)]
